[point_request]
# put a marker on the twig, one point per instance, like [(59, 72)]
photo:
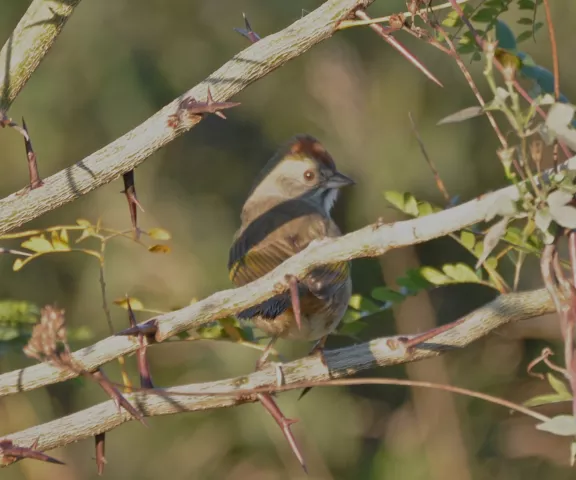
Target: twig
[(555, 63), (437, 178), (385, 34), (358, 23), (454, 54), (554, 48)]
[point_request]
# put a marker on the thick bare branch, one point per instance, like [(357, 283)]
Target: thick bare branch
[(370, 241), (339, 363), (130, 150), (29, 43)]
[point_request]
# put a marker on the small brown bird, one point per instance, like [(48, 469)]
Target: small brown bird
[(289, 207)]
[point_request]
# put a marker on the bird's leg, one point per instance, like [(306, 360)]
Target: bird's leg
[(266, 353), (318, 348), (263, 360)]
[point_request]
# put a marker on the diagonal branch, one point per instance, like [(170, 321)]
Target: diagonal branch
[(29, 43), (370, 241), (337, 363), (130, 150)]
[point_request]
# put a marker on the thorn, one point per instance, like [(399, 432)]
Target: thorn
[(10, 451), (100, 452), (146, 328), (295, 298), (35, 180), (284, 423), (248, 32), (192, 107), (410, 343), (130, 192), (115, 395), (143, 365)]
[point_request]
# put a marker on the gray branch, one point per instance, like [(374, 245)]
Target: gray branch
[(29, 43), (130, 150), (342, 362), (370, 241)]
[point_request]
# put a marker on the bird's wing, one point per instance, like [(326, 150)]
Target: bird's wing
[(274, 237)]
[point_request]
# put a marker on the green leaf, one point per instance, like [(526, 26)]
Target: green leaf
[(462, 115), (468, 239), (434, 276), (461, 273), (452, 20), (524, 36), (405, 202), (537, 26), (485, 15), (558, 385), (385, 294), (563, 425), (16, 312), (413, 281), (525, 21), (159, 234), (351, 329), (526, 5), (546, 399), (351, 316), (363, 304)]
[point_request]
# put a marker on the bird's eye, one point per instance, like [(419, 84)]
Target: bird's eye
[(309, 175)]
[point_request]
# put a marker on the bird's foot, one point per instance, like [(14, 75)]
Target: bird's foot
[(280, 381)]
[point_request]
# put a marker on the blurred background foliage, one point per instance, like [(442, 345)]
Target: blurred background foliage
[(114, 65)]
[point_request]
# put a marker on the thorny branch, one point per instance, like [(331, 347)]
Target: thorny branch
[(337, 363), (130, 150), (373, 240)]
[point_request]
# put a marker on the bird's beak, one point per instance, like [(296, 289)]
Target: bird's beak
[(339, 180)]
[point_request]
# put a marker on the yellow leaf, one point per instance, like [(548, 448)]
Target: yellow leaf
[(160, 234), (83, 223), (58, 243), (19, 263), (64, 235), (159, 249), (26, 233), (135, 304), (38, 244)]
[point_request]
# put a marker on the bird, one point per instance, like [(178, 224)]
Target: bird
[(287, 208)]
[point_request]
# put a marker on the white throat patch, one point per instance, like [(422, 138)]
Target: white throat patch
[(329, 199)]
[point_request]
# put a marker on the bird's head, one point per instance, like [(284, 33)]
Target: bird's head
[(301, 169)]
